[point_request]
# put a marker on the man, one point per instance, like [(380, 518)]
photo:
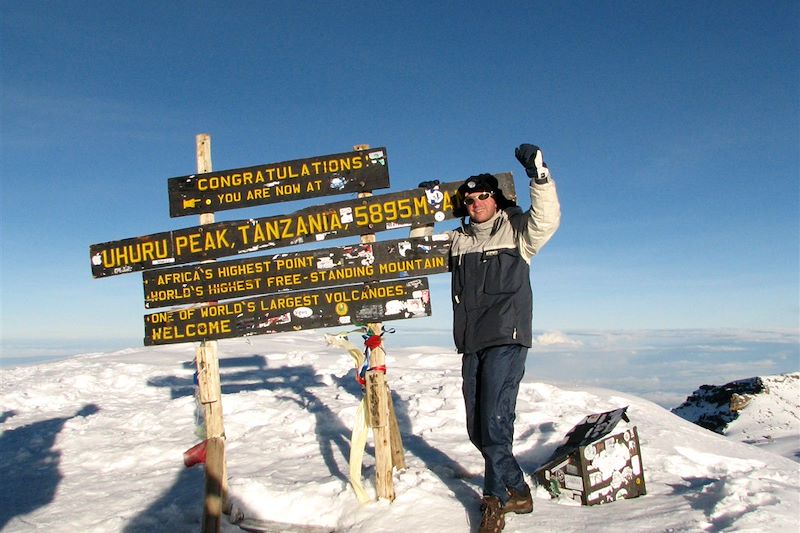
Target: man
[(492, 319)]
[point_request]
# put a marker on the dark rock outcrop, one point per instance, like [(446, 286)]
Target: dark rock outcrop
[(714, 407)]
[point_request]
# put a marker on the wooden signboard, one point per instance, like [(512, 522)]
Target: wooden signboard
[(414, 207), (358, 171), (293, 311), (593, 467), (324, 267)]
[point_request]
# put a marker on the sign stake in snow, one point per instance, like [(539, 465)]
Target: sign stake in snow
[(378, 399), (210, 394)]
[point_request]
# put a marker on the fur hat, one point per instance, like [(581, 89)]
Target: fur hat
[(480, 183)]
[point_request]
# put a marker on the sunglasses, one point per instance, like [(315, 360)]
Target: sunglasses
[(469, 200)]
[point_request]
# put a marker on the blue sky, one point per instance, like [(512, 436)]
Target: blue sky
[(671, 129)]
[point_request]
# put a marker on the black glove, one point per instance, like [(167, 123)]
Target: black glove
[(428, 184), (531, 158)]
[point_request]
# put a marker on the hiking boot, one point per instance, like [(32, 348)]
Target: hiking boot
[(519, 501), (493, 520)]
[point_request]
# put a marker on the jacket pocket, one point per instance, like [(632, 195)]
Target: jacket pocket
[(504, 271)]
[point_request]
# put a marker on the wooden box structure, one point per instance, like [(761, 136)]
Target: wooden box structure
[(594, 467)]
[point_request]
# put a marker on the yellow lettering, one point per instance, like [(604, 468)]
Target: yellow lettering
[(138, 252), (190, 242), (345, 273), (160, 318), (243, 231), (210, 242), (447, 203), (287, 189), (289, 302), (365, 293), (421, 205), (404, 208), (335, 222), (435, 262), (316, 223), (294, 263), (400, 266), (286, 228), (272, 230)]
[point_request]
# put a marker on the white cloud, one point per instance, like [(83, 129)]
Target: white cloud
[(551, 338)]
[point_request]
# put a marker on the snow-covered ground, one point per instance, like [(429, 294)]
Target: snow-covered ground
[(772, 420), (763, 411), (95, 443)]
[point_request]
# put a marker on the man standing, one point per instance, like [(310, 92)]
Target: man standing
[(492, 319)]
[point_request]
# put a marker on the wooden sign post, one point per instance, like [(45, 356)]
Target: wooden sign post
[(380, 415), (364, 284), (210, 395)]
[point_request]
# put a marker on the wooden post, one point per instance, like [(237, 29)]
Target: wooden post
[(215, 474), (395, 440), (378, 406), (380, 411), (210, 389)]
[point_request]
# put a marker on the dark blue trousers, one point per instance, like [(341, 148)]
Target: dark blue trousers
[(491, 380)]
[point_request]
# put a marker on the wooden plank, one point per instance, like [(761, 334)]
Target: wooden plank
[(325, 267), (203, 152), (377, 402), (396, 441), (415, 207), (327, 307), (214, 492), (349, 172), (375, 399), (209, 387)]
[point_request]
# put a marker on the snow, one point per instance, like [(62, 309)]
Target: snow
[(763, 411), (95, 443), (771, 420)]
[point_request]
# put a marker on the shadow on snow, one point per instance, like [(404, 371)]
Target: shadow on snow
[(29, 464), (185, 497), (332, 434)]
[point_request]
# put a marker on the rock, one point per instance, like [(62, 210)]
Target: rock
[(714, 407)]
